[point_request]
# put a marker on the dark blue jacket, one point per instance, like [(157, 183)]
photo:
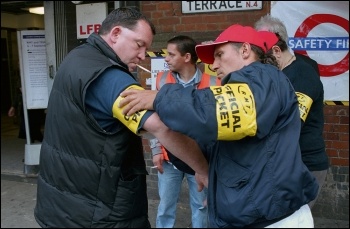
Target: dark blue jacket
[(250, 129)]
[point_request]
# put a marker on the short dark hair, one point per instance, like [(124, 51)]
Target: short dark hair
[(126, 17), (185, 44)]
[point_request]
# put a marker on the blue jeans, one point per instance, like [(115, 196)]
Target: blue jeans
[(169, 187)]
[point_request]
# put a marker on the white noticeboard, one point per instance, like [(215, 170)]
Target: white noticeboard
[(158, 64), (34, 81), (33, 65)]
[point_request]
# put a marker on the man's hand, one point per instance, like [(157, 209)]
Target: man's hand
[(158, 161), (136, 100), (202, 180), (11, 112)]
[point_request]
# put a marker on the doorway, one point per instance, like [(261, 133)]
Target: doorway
[(5, 78)]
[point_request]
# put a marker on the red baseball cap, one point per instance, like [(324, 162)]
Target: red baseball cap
[(237, 33)]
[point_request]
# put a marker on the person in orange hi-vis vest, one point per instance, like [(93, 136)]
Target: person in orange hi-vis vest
[(182, 60)]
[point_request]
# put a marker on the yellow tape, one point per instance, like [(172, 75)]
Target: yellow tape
[(162, 53), (342, 103)]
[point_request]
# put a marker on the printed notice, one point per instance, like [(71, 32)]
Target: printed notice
[(34, 68)]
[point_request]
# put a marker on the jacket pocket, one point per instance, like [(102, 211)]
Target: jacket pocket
[(231, 174), (234, 191), (131, 199)]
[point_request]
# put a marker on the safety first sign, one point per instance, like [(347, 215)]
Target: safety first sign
[(320, 30)]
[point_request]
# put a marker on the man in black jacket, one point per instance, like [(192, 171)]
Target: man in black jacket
[(92, 170)]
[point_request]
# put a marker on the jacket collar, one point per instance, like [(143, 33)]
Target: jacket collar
[(96, 41)]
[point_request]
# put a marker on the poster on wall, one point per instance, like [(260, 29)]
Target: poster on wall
[(33, 65), (89, 18), (158, 64), (320, 30)]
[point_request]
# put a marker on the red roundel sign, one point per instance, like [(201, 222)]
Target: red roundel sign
[(311, 22)]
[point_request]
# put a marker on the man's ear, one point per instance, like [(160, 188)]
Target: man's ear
[(114, 34), (245, 50), (276, 51), (188, 57)]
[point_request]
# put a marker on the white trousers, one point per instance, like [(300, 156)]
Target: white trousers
[(299, 219)]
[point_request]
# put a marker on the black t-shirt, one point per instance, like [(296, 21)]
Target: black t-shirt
[(305, 79)]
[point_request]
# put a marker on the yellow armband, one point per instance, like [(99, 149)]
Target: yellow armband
[(235, 111), (132, 122), (305, 103)]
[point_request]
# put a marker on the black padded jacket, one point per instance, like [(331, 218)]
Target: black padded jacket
[(88, 177)]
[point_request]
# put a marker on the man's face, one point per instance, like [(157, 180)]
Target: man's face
[(227, 59), (174, 59), (131, 45)]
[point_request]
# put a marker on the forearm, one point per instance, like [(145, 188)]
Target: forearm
[(186, 149), (183, 147)]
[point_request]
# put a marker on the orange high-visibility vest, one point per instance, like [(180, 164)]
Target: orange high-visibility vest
[(166, 77)]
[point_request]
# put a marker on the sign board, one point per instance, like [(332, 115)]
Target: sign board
[(158, 64), (32, 55), (34, 81), (321, 31), (219, 6), (90, 18)]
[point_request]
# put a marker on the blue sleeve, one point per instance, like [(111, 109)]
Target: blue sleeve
[(102, 93), (188, 110), (207, 117)]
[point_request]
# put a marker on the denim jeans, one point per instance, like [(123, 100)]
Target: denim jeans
[(169, 187)]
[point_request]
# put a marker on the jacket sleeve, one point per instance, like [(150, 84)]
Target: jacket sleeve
[(188, 110), (218, 113), (248, 104)]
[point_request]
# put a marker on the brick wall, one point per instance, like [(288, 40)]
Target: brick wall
[(169, 22), (333, 202)]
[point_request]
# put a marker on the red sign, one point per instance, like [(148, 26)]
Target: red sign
[(311, 22)]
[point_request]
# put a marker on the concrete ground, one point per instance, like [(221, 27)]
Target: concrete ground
[(18, 191)]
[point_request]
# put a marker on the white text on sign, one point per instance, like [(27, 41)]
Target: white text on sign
[(219, 6)]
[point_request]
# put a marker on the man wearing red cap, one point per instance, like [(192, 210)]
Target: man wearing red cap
[(248, 128)]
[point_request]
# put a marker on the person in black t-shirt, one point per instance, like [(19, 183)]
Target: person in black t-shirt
[(305, 77)]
